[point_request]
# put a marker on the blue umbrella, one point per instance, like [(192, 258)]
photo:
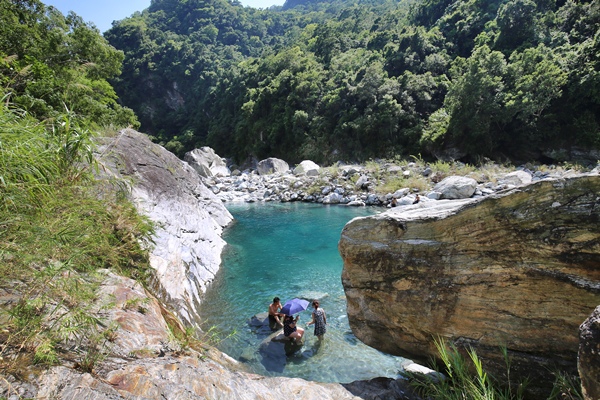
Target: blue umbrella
[(294, 306)]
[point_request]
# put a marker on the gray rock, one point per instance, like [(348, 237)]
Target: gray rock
[(332, 198), (456, 187), (307, 168), (356, 203), (517, 178), (588, 360), (401, 193), (436, 195), (206, 162), (362, 182), (272, 166)]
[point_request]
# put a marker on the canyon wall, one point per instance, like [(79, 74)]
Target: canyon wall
[(189, 219), (519, 269)]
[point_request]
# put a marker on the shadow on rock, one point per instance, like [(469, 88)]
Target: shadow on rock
[(275, 348)]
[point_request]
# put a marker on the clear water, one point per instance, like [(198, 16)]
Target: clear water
[(290, 250)]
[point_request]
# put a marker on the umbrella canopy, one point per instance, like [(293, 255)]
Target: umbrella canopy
[(294, 306)]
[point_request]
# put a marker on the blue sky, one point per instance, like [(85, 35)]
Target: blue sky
[(103, 13)]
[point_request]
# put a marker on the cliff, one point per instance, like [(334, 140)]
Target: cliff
[(189, 219), (520, 269)]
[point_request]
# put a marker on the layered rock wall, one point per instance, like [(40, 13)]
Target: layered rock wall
[(519, 269), (189, 219)]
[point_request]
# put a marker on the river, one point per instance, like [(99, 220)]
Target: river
[(289, 250)]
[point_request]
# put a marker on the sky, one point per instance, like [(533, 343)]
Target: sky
[(103, 13)]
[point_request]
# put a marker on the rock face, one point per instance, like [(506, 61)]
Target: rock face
[(589, 356), (206, 162), (189, 218), (519, 268), (141, 361)]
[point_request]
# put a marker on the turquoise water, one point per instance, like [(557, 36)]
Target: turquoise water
[(289, 250)]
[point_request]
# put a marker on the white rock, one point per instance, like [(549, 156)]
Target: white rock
[(456, 187), (307, 168)]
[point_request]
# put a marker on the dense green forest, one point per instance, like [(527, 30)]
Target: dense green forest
[(321, 80), (341, 79), (52, 65)]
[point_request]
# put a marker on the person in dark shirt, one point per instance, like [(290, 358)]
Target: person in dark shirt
[(290, 330)]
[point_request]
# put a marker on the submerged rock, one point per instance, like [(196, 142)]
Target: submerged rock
[(519, 269)]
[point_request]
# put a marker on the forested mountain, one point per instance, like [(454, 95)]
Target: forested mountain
[(354, 80), (321, 80)]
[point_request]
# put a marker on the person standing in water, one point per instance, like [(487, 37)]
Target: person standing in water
[(319, 319)]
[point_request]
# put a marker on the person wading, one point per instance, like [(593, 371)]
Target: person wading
[(319, 319)]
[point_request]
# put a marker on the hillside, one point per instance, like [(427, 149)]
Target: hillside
[(507, 80)]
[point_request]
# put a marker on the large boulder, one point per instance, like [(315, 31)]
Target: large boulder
[(206, 162), (272, 166), (589, 356), (516, 178), (189, 218), (456, 187), (308, 168), (519, 269)]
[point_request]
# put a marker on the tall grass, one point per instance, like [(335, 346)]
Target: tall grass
[(466, 378), (57, 227)]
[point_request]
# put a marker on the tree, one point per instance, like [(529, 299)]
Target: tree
[(475, 102), (58, 64)]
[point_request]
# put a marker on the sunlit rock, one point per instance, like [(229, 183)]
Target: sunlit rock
[(272, 166), (206, 162), (189, 218), (308, 168), (519, 269), (456, 187)]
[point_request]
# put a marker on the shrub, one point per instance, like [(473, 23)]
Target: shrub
[(58, 227)]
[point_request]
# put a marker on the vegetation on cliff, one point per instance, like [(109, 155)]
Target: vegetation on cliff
[(58, 226), (358, 80)]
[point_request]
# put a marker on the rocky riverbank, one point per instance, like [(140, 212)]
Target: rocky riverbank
[(376, 183), (147, 352)]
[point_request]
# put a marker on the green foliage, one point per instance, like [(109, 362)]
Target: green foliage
[(338, 80), (465, 378), (57, 227), (49, 62), (566, 387)]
